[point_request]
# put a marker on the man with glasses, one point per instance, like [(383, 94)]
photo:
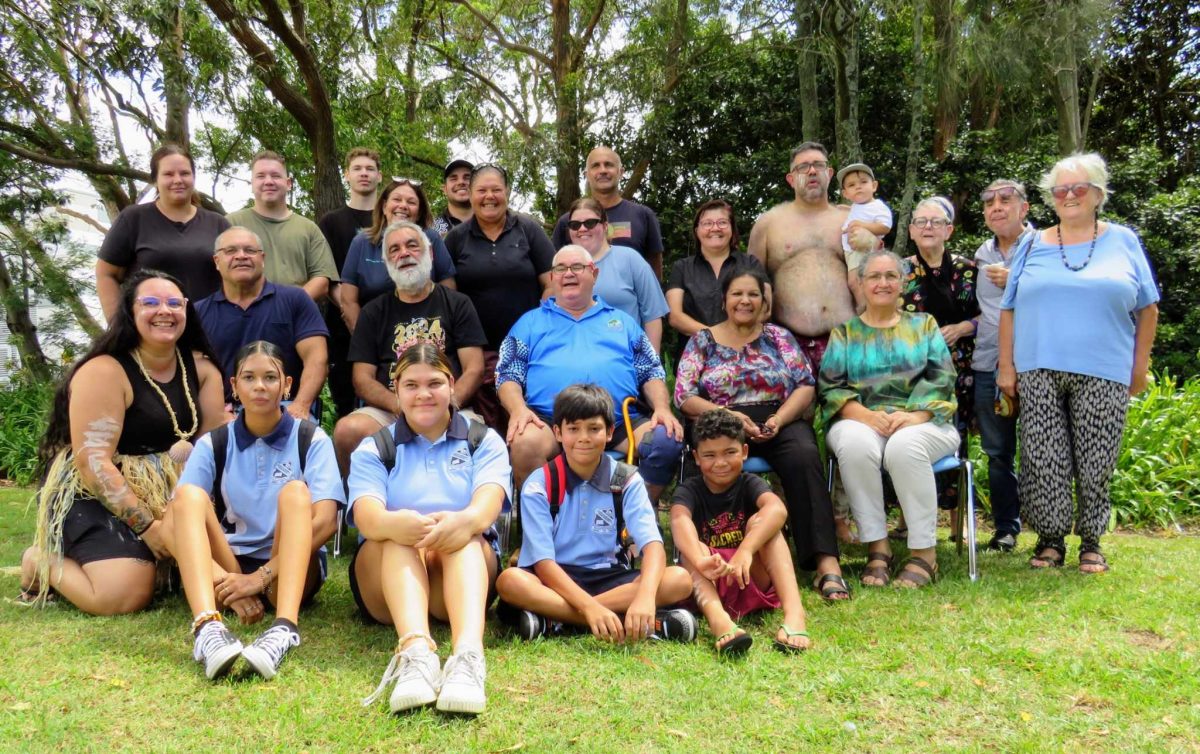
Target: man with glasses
[(456, 187), (248, 307), (629, 223), (574, 337), (297, 251), (1004, 210), (800, 244)]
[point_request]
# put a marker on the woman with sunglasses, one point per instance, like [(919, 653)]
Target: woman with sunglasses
[(365, 276), (120, 428), (624, 278), (1077, 322)]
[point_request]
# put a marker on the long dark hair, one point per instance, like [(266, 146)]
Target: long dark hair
[(121, 337), (379, 222)]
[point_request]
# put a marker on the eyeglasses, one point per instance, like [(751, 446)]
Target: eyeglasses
[(589, 223), (882, 277), (804, 167), (936, 223), (230, 251), (577, 268), (410, 181), (1075, 189), (1005, 193), (174, 303), (710, 224)]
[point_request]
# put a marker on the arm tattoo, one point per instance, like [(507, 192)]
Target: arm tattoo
[(109, 485)]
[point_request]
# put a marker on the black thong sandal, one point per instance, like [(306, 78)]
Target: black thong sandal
[(738, 642), (1097, 559), (883, 572), (1054, 560), (830, 586), (917, 578), (787, 647)]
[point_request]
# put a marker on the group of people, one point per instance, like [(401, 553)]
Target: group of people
[(475, 364)]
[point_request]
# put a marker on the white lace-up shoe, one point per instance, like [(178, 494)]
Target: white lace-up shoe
[(267, 652), (462, 683), (216, 648)]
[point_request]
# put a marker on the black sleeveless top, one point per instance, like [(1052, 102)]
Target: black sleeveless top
[(147, 424)]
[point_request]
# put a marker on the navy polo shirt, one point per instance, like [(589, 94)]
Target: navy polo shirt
[(282, 314)]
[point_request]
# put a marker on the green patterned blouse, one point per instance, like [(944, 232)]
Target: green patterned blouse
[(906, 367)]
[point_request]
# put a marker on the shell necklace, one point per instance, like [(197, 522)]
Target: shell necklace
[(180, 451)]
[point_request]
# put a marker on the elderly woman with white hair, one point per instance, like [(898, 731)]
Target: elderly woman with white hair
[(1077, 322)]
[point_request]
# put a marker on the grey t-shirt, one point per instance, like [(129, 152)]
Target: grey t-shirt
[(987, 338)]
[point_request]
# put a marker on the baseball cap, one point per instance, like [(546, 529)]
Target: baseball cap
[(855, 167), (455, 165)]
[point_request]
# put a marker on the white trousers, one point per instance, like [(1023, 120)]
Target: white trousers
[(908, 457)]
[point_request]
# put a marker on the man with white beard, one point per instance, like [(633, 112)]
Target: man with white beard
[(418, 311)]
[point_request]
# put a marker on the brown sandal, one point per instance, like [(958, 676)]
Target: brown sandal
[(917, 578), (883, 573), (1097, 559)]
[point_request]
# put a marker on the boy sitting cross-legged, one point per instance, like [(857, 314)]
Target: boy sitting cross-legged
[(572, 567), (727, 527)]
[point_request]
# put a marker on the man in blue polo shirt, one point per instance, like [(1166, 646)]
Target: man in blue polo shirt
[(248, 308), (575, 337)]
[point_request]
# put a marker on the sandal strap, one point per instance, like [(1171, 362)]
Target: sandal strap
[(836, 578), (730, 633), (790, 633), (887, 558), (922, 563)]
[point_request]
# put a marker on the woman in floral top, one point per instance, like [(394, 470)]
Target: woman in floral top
[(758, 372), (887, 393)]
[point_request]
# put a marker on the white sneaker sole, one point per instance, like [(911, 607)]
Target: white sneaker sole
[(471, 705), (220, 663), (412, 699), (259, 662)]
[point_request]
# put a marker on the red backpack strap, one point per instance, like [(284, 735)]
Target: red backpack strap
[(555, 475)]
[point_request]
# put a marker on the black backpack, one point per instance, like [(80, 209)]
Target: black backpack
[(220, 444), (385, 442)]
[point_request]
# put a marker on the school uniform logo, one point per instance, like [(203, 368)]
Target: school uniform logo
[(615, 324), (282, 472), (604, 520), (460, 460)]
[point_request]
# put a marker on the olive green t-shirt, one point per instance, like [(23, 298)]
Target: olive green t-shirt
[(296, 248)]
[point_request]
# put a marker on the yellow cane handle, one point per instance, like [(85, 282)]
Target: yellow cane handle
[(628, 427)]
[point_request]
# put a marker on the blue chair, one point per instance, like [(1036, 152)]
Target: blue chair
[(966, 498)]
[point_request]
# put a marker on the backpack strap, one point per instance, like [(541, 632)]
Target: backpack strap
[(385, 444), (220, 446), (304, 439), (476, 431), (620, 478), (555, 474)]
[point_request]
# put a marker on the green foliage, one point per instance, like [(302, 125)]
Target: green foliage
[(23, 404), (1157, 482)]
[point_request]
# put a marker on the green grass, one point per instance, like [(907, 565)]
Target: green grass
[(1020, 661)]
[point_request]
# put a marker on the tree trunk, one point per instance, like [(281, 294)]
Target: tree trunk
[(673, 70), (58, 287), (1065, 86), (917, 110), (806, 13), (946, 29), (20, 325), (566, 107), (176, 80), (412, 90), (844, 27)]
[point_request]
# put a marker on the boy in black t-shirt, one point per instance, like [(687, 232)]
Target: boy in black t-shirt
[(727, 526)]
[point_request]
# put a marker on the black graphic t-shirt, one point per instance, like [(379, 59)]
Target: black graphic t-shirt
[(720, 518)]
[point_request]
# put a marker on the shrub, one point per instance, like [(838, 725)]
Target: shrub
[(23, 404)]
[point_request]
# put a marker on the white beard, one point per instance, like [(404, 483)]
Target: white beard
[(414, 278)]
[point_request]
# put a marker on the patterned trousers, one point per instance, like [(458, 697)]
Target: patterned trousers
[(1071, 426)]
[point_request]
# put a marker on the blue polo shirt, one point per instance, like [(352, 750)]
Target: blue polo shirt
[(282, 314), (584, 534), (429, 476), (548, 349), (256, 469), (365, 269)]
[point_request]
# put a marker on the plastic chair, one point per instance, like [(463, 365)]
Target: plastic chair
[(966, 495)]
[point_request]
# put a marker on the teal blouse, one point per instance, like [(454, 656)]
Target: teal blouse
[(906, 367)]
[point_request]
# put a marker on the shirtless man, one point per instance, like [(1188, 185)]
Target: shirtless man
[(800, 245)]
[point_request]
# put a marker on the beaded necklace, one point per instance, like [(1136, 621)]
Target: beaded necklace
[(1063, 254), (181, 449)]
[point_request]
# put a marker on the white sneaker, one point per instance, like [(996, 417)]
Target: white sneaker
[(416, 671), (216, 648), (462, 683), (266, 654)]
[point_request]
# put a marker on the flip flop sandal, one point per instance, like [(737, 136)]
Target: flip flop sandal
[(830, 585), (783, 646), (883, 572), (917, 578), (1055, 560), (735, 646), (1098, 559)]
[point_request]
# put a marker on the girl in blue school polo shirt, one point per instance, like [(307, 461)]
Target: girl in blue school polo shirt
[(429, 543), (257, 536)]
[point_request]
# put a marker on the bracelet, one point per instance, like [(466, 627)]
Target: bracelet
[(205, 617), (266, 574)]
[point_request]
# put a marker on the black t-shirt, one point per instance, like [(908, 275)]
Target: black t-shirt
[(501, 278), (702, 299), (340, 227), (720, 518), (143, 238), (387, 326), (629, 224)]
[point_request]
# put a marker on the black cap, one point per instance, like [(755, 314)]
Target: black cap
[(455, 165)]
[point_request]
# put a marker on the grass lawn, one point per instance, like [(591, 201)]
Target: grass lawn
[(1020, 661)]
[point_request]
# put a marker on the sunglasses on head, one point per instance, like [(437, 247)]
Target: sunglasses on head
[(409, 181), (589, 223), (1005, 192), (1074, 189), (490, 166), (174, 303)]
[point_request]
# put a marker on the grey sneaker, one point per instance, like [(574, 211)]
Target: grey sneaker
[(675, 625), (267, 652), (417, 673), (462, 684), (216, 648), (1002, 543)]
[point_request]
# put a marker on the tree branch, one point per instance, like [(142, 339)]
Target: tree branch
[(60, 209), (499, 38), (90, 167), (585, 39)]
